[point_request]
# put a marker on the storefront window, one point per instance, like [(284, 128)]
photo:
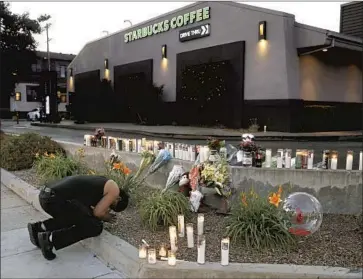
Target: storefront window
[(62, 71), (32, 93)]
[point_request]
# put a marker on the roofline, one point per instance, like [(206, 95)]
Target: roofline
[(230, 3), (330, 33), (349, 3)]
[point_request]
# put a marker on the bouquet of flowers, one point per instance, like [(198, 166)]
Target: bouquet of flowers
[(163, 157), (147, 159), (214, 144), (174, 176), (218, 177)]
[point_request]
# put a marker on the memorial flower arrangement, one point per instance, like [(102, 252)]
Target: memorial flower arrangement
[(260, 222), (214, 144)]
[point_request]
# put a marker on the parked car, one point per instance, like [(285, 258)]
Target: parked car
[(34, 114)]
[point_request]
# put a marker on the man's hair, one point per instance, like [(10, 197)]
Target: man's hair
[(123, 202)]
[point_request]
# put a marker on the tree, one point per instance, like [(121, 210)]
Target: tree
[(17, 49)]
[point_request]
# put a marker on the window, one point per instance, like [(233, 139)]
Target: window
[(32, 93), (17, 96), (63, 71)]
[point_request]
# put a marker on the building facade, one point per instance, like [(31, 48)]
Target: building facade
[(27, 93), (228, 63)]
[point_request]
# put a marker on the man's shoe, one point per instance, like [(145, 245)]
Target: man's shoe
[(46, 246), (34, 229)]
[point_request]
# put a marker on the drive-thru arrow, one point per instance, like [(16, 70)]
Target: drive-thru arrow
[(205, 29)]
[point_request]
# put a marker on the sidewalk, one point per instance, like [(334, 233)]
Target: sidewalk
[(21, 259), (193, 133)]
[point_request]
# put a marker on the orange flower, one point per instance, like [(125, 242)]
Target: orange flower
[(52, 156), (117, 166), (244, 199), (275, 199), (126, 170), (280, 190)]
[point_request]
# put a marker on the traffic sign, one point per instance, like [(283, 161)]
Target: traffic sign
[(194, 33)]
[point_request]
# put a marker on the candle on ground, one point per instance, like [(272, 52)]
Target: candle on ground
[(225, 251), (201, 249), (190, 235), (152, 256), (268, 158), (181, 229), (334, 160), (142, 251), (280, 153), (200, 224), (349, 163), (162, 251), (310, 159), (171, 258), (360, 160), (173, 239), (288, 158)]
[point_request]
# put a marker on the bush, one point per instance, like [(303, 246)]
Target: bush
[(161, 209), (18, 152), (259, 223), (51, 167)]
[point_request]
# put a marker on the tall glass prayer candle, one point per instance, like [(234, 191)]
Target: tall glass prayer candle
[(193, 153), (264, 129), (268, 158), (200, 222), (360, 160), (173, 238), (334, 160), (176, 150), (304, 159), (181, 229), (190, 235), (206, 153), (310, 159), (349, 163), (298, 159), (171, 258), (162, 251), (225, 251), (151, 256), (280, 153), (142, 251), (288, 158), (201, 249), (239, 156)]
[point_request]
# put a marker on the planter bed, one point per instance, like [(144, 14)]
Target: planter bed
[(336, 244)]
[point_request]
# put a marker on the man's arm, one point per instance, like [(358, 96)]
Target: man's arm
[(102, 208)]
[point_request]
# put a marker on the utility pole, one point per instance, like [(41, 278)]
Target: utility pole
[(48, 40)]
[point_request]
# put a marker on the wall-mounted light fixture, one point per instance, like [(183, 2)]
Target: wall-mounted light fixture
[(163, 51), (106, 64), (17, 96), (262, 30)]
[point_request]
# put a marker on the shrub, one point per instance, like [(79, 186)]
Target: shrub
[(260, 222), (18, 152), (161, 209), (50, 167)]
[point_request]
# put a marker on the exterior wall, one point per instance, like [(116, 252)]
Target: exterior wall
[(23, 105), (320, 81), (274, 61)]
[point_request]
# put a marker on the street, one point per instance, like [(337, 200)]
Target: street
[(76, 136)]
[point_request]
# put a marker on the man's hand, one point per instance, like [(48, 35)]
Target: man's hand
[(110, 217)]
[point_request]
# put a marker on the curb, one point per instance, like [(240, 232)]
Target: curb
[(123, 256), (79, 127)]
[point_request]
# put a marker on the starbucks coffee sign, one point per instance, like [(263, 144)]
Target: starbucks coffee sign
[(166, 25)]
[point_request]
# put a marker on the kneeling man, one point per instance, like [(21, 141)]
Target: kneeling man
[(78, 205)]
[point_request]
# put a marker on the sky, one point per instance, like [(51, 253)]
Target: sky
[(76, 23)]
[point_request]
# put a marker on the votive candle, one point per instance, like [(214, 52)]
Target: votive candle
[(310, 159), (181, 229), (360, 160), (173, 239), (264, 129), (201, 249), (288, 158), (162, 251), (200, 224), (334, 160), (171, 258), (280, 153), (349, 163), (268, 158), (142, 251), (151, 256), (190, 235), (225, 251)]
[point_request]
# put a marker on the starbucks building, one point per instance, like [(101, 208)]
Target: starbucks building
[(221, 63)]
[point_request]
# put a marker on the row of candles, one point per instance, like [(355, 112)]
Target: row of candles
[(174, 233), (304, 159), (186, 152)]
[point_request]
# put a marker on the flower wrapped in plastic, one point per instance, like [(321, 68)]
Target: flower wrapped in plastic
[(162, 159), (147, 159), (174, 176)]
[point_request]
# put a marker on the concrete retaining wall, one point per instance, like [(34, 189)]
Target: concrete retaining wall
[(338, 191)]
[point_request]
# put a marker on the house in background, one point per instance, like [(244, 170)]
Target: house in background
[(27, 95)]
